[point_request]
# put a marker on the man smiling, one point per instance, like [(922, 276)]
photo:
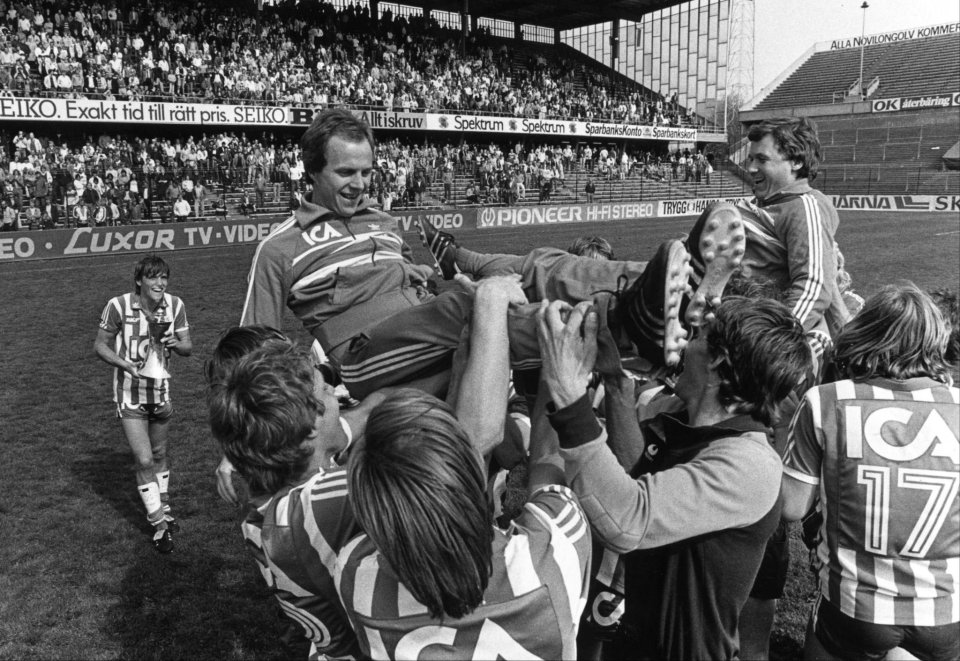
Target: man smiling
[(791, 226), (342, 268), (790, 243), (143, 403)]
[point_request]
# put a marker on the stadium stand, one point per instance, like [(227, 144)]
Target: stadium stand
[(876, 145), (889, 152), (307, 53), (250, 174), (310, 54), (904, 68)]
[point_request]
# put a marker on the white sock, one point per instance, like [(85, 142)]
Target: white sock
[(150, 495), (163, 480)]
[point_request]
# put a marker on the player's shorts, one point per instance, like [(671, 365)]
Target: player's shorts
[(772, 575), (148, 412), (848, 638)]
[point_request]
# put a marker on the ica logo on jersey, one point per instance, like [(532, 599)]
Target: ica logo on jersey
[(901, 434)]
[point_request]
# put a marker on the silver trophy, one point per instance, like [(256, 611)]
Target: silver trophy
[(155, 359)]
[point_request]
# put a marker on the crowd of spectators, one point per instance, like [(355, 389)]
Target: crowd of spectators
[(504, 173), (306, 53), (129, 175)]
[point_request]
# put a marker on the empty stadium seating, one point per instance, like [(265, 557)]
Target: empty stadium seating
[(900, 152), (905, 68)]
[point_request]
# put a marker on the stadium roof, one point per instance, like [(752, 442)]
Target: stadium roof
[(558, 14)]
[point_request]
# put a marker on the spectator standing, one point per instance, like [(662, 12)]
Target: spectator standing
[(181, 209), (296, 175), (41, 190), (11, 218), (172, 193), (260, 187), (447, 181), (418, 188), (135, 209)]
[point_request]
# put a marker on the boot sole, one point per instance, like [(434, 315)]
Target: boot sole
[(722, 245), (675, 285)]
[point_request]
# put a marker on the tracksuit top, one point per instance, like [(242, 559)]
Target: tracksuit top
[(693, 520), (338, 275)]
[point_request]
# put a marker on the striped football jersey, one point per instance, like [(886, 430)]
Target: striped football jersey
[(885, 455), (124, 317), (294, 537), (531, 608)]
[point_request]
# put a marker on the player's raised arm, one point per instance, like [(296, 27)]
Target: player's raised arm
[(486, 376)]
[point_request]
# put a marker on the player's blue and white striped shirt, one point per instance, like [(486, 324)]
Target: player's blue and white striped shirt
[(124, 316), (885, 456), (531, 608), (295, 537)]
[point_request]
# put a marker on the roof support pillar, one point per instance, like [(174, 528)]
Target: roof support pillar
[(614, 43)]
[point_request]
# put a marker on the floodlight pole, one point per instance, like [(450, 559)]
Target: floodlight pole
[(863, 41)]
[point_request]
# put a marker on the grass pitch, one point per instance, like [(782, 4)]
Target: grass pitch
[(79, 577)]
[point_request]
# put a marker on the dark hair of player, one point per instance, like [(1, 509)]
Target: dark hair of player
[(235, 343), (329, 123), (594, 247), (795, 138), (751, 287), (764, 354), (150, 267), (949, 303), (417, 488), (262, 411), (898, 334)]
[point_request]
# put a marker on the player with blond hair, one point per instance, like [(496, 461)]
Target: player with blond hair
[(879, 447)]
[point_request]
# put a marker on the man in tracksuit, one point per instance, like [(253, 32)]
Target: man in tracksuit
[(693, 515), (343, 270)]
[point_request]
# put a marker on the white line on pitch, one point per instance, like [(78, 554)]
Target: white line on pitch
[(946, 233)]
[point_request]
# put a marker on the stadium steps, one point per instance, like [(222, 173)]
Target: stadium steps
[(884, 180), (915, 67), (881, 153)]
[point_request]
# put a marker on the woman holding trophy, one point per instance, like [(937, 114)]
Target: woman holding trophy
[(137, 332)]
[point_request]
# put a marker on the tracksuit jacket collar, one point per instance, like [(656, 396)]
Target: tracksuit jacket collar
[(799, 187), (308, 213)]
